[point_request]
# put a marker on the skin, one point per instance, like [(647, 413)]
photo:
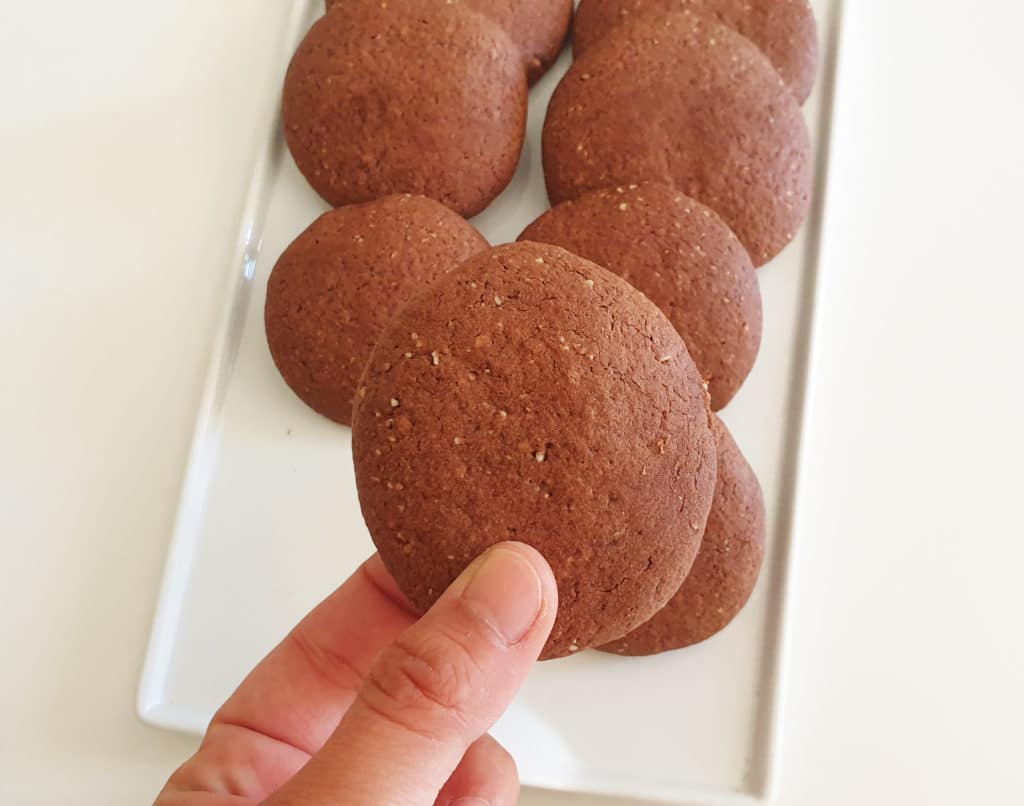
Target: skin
[(364, 704)]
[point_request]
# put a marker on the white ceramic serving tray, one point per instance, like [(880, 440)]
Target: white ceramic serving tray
[(269, 522)]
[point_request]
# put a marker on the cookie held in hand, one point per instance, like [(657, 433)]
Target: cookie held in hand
[(531, 395), (726, 569)]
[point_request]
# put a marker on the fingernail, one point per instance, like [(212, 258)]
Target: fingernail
[(471, 802), (505, 590)]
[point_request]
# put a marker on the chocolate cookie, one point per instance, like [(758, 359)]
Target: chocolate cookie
[(726, 569), (683, 257), (531, 395), (334, 288), (400, 97), (684, 100), (784, 30), (538, 27)]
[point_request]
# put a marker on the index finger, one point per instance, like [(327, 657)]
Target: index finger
[(299, 692)]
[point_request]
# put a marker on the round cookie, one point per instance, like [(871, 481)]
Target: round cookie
[(684, 100), (784, 30), (538, 27), (400, 98), (531, 395), (683, 257), (334, 288), (726, 569)]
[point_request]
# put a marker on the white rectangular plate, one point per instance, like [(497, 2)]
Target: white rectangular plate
[(269, 522)]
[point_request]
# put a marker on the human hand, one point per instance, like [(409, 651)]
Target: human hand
[(364, 704)]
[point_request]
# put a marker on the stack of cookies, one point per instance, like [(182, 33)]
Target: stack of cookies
[(560, 390)]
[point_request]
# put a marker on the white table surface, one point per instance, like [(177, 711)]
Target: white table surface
[(126, 135)]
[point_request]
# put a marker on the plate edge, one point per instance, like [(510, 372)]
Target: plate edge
[(171, 594), (766, 790)]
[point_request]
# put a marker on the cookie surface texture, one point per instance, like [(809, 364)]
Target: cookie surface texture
[(684, 101), (683, 257), (538, 27), (726, 569), (784, 30), (337, 284), (546, 401), (405, 97)]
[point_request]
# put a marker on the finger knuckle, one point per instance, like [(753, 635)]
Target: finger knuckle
[(327, 662), (425, 681)]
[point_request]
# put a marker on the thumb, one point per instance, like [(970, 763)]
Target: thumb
[(438, 688)]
